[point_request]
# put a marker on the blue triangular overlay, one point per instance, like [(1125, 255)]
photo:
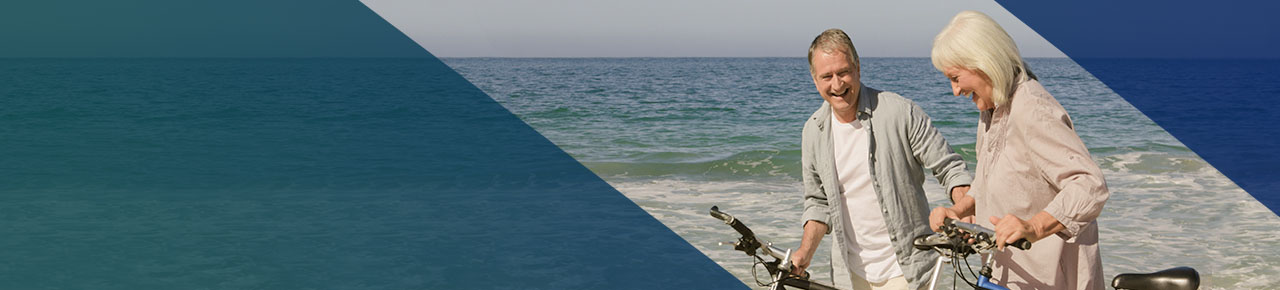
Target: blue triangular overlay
[(289, 145), (1208, 73)]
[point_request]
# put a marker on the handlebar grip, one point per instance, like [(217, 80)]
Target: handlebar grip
[(716, 213), (733, 222), (1023, 244)]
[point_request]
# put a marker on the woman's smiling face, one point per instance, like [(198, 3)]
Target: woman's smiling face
[(972, 83)]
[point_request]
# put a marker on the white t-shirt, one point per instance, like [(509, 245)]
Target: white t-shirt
[(869, 252)]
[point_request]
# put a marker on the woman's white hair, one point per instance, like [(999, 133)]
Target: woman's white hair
[(974, 41)]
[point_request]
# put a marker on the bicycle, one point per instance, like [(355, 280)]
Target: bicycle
[(954, 242)]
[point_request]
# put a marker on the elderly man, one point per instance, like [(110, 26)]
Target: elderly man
[(863, 158)]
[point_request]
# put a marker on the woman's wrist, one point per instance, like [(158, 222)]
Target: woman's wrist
[(1044, 224)]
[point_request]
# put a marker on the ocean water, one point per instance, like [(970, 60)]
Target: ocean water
[(215, 174), (678, 135), (301, 173)]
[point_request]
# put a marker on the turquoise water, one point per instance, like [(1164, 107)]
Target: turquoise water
[(302, 173), (679, 135), (215, 174)]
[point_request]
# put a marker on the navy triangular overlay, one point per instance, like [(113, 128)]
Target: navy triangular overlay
[(1208, 73), (289, 145)]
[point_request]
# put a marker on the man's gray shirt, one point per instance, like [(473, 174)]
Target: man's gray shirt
[(903, 143)]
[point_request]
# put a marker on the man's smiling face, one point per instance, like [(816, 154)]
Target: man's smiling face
[(836, 78)]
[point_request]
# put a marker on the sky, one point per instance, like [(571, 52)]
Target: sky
[(222, 28), (676, 28)]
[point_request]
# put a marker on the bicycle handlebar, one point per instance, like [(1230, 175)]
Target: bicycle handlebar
[(749, 242), (732, 222), (984, 233), (781, 268)]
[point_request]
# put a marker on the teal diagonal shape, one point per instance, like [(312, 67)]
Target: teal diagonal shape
[(288, 145)]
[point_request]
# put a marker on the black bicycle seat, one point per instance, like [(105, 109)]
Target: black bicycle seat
[(929, 241), (1174, 279)]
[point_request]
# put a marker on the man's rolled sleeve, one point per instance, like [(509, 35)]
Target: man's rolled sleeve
[(816, 207), (814, 211), (956, 177), (935, 153)]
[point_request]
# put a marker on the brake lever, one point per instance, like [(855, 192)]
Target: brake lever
[(784, 269)]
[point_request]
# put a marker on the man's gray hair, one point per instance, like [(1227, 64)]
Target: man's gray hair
[(833, 40)]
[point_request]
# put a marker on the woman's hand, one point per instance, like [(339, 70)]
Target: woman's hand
[(1011, 228)]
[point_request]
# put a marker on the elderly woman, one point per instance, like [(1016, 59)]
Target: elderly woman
[(1035, 178)]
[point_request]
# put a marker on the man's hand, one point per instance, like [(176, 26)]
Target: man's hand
[(800, 261), (802, 256), (940, 213), (962, 210)]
